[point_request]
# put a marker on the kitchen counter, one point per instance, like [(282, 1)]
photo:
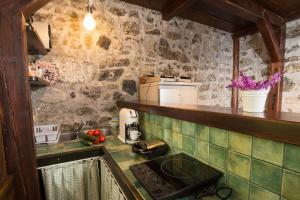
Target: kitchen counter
[(279, 126), (120, 153)]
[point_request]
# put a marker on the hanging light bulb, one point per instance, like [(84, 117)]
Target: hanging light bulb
[(89, 22)]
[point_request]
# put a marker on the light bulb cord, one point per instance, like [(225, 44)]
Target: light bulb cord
[(90, 3)]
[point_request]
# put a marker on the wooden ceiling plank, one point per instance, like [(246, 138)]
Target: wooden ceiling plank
[(211, 21), (293, 15), (30, 8), (268, 34), (174, 8), (245, 9), (246, 31)]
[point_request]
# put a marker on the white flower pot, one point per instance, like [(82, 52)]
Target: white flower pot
[(254, 100)]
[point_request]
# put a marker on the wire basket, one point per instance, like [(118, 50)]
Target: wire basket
[(47, 134)]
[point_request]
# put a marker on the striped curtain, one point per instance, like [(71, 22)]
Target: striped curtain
[(76, 180)]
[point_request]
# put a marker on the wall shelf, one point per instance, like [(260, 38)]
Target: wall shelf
[(37, 81), (279, 126)]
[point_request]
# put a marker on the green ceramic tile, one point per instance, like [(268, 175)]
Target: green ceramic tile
[(258, 193), (149, 136), (160, 133), (188, 144), (268, 150), (202, 132), (176, 125), (168, 136), (218, 137), (266, 175), (291, 185), (156, 119), (147, 117), (240, 142), (240, 187), (292, 157), (148, 128), (188, 128), (157, 131), (168, 123), (177, 139), (153, 118), (218, 156), (201, 150), (239, 164)]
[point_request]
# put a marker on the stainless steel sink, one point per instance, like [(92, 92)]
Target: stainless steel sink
[(65, 137)]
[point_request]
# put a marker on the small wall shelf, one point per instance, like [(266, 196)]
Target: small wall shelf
[(37, 81)]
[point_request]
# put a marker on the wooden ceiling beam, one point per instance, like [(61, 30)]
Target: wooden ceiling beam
[(211, 21), (30, 8), (245, 9), (246, 31), (174, 8), (293, 15), (269, 36)]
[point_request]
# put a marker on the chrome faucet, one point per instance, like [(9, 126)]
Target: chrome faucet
[(79, 126)]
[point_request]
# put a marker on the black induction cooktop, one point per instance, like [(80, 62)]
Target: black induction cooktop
[(174, 176)]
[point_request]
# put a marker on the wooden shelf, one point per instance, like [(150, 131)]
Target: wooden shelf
[(37, 81), (34, 43), (283, 126)]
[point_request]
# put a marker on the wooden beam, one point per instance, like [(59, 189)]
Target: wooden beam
[(293, 15), (254, 11), (266, 29), (245, 9), (174, 8), (30, 8), (212, 21), (247, 31), (235, 73), (15, 106), (3, 170), (274, 101), (6, 188)]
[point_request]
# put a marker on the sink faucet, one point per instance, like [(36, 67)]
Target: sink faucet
[(79, 126)]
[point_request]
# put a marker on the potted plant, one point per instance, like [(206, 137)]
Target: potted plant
[(254, 93)]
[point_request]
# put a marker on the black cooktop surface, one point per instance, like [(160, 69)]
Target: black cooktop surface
[(174, 176)]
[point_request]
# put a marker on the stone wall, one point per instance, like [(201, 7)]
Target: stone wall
[(97, 68), (255, 60)]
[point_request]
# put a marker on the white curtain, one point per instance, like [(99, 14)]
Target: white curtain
[(110, 190), (77, 180)]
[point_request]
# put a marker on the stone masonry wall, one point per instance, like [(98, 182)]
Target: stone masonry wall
[(255, 61), (97, 68)]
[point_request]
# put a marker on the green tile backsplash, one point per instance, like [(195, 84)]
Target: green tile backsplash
[(268, 150), (256, 169)]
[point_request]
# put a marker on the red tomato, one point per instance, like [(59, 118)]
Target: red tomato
[(102, 138), (97, 132), (91, 132), (97, 141)]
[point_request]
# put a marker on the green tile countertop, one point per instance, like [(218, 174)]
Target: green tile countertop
[(120, 152)]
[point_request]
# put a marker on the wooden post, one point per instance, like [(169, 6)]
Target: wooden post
[(274, 39), (275, 96), (15, 105), (235, 73)]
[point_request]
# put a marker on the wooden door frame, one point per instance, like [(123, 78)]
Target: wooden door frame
[(15, 103)]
